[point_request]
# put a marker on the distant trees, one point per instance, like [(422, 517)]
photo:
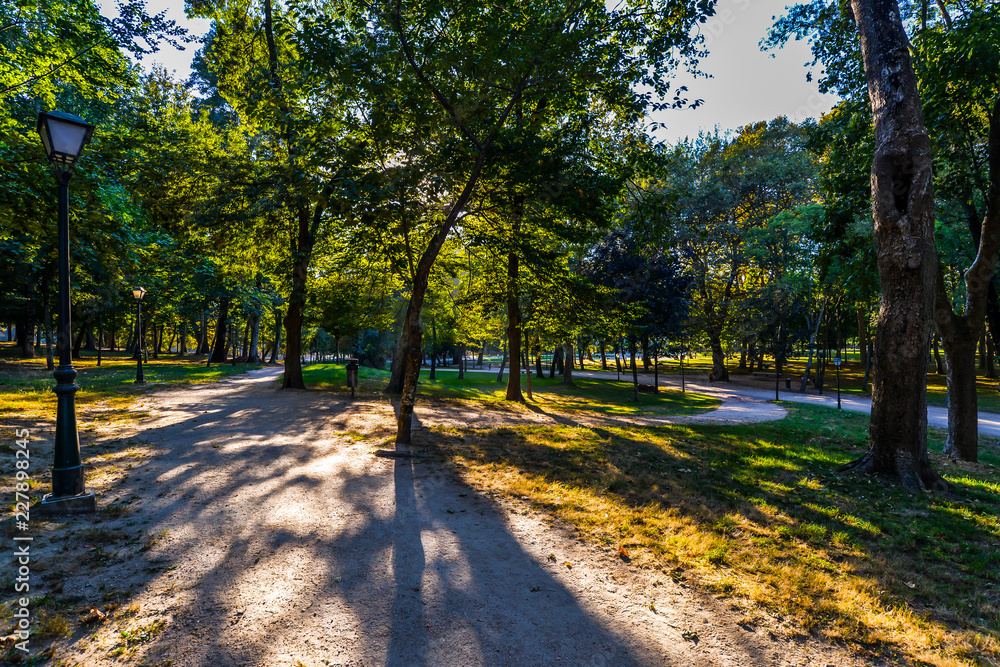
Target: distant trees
[(714, 200)]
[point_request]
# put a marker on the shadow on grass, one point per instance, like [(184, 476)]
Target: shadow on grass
[(756, 512)]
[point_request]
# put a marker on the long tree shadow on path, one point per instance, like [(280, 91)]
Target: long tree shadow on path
[(280, 538)]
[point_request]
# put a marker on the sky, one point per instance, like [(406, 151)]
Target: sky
[(746, 85)]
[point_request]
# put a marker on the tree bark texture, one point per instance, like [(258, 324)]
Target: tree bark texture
[(963, 403), (991, 367), (719, 370), (182, 342), (635, 370), (903, 213), (221, 344), (513, 329), (568, 364), (503, 363), (863, 336)]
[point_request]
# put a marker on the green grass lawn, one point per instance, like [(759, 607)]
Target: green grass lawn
[(26, 385), (595, 395), (758, 515)]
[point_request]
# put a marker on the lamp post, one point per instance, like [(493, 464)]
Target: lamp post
[(64, 137), (836, 362), (138, 293)]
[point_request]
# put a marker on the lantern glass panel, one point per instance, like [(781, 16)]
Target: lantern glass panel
[(67, 140)]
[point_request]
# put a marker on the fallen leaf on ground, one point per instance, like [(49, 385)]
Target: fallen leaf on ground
[(93, 616)]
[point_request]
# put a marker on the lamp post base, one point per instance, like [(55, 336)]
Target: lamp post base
[(85, 503)]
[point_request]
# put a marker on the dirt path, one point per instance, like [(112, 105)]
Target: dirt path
[(275, 537)]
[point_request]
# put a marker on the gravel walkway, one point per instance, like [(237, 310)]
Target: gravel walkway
[(281, 540)]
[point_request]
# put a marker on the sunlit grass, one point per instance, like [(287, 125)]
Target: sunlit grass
[(26, 386), (603, 396), (757, 514)]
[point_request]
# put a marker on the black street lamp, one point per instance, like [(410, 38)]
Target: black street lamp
[(836, 362), (64, 137), (138, 293)]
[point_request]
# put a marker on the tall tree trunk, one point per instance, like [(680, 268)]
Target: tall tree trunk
[(539, 371), (991, 368), (461, 361), (411, 321), (503, 363), (203, 344), (863, 336), (513, 331), (527, 366), (719, 370), (277, 336), (182, 341), (555, 366), (302, 248), (812, 347), (903, 212), (49, 362), (245, 345), (568, 364), (221, 344), (604, 358), (982, 351), (434, 342), (78, 343), (26, 326), (938, 362), (963, 403), (89, 346), (645, 353), (959, 333), (482, 351), (656, 370), (133, 334), (635, 370)]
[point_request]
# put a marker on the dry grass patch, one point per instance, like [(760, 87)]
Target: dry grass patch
[(755, 513)]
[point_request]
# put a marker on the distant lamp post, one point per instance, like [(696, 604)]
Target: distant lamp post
[(836, 362), (138, 293), (64, 137), (681, 359), (352, 375)]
